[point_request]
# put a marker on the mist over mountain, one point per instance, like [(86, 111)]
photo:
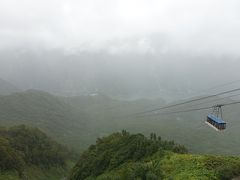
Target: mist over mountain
[(172, 76), (7, 88), (75, 73), (125, 49)]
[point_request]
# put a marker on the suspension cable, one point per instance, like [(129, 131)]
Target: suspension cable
[(189, 101)]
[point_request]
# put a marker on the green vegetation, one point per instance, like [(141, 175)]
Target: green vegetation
[(47, 112), (78, 121), (119, 148), (24, 150), (188, 129), (106, 115), (122, 156)]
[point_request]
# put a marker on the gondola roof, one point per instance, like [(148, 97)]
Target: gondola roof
[(216, 119)]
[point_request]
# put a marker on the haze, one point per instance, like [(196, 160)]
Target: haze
[(122, 48)]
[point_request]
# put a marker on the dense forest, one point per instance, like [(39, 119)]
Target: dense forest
[(28, 153), (23, 149), (126, 156)]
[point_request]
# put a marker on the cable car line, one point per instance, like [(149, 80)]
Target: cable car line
[(237, 102), (189, 101), (222, 85), (204, 90), (213, 119), (216, 99), (176, 112), (189, 110)]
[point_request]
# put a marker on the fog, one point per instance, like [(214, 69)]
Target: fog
[(125, 49)]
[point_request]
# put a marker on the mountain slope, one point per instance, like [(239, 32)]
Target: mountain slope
[(24, 150), (78, 121), (177, 166), (6, 88), (113, 151), (47, 112), (189, 129), (125, 157), (75, 121)]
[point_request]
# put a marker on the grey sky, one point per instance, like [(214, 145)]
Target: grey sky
[(206, 26)]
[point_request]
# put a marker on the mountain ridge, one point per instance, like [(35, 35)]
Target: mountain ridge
[(43, 110), (78, 121), (126, 156)]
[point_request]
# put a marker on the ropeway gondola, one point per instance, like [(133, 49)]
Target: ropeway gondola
[(215, 119)]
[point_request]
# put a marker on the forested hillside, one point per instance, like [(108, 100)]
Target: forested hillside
[(25, 151), (45, 111), (78, 121), (74, 121), (127, 156), (108, 115)]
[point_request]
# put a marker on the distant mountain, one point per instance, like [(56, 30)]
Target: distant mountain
[(74, 121), (7, 88), (45, 111), (78, 121), (108, 115), (133, 156), (126, 76)]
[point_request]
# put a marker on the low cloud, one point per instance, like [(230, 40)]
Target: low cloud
[(117, 26)]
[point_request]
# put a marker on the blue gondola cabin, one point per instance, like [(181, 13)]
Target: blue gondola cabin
[(216, 122)]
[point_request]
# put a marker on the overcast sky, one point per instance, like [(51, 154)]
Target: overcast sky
[(142, 26)]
